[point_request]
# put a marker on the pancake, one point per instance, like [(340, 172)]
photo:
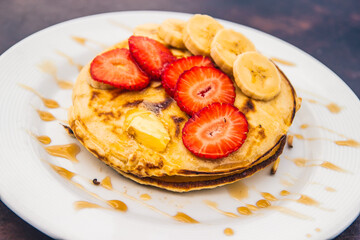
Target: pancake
[(186, 184), (98, 117)]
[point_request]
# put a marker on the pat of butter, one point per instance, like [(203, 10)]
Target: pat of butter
[(148, 130)]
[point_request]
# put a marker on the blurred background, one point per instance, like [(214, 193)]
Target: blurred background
[(329, 30)]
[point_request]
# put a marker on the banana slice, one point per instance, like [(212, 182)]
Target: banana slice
[(150, 30), (180, 53), (226, 46), (171, 32), (256, 76), (199, 32)]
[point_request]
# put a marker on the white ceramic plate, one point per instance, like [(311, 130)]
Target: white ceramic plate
[(44, 199)]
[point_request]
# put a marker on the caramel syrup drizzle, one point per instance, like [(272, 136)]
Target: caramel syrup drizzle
[(332, 107), (49, 103), (50, 68), (302, 162), (42, 139), (348, 142), (248, 209), (70, 60), (214, 206), (115, 204), (45, 116), (83, 41), (121, 25), (284, 62)]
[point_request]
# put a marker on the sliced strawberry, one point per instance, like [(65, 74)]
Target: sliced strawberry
[(117, 68), (215, 131), (172, 72), (202, 86), (150, 55)]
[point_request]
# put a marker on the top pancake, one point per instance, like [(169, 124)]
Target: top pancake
[(97, 119)]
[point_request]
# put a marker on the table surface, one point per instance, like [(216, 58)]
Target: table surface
[(329, 30)]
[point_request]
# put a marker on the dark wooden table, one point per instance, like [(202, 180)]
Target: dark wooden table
[(329, 30)]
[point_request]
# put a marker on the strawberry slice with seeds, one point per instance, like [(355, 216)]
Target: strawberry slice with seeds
[(172, 72), (150, 55), (117, 68), (202, 86), (215, 131)]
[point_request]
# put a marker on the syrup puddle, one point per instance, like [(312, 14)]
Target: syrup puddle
[(50, 68), (121, 25), (284, 62), (68, 151), (70, 60), (49, 103), (83, 41)]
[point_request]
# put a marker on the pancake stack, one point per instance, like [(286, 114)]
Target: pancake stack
[(101, 115)]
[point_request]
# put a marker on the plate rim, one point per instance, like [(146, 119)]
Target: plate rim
[(9, 50)]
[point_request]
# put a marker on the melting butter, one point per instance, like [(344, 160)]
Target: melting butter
[(68, 151)]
